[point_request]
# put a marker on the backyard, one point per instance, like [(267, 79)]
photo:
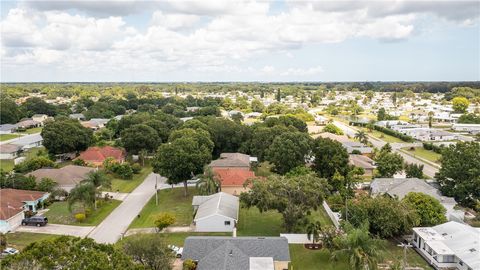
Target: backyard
[(6, 165), (20, 240), (32, 130), (169, 200), (425, 154), (59, 213), (5, 137), (126, 186)]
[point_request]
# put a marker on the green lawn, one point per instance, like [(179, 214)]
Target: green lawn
[(306, 259), (5, 137), (59, 214), (169, 200), (20, 240), (384, 137), (33, 152), (6, 164), (426, 154), (32, 130), (126, 186)]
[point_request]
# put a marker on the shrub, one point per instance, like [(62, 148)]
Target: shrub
[(331, 128), (189, 264), (433, 147), (164, 220), (124, 171), (33, 164), (79, 162), (136, 168), (80, 217)]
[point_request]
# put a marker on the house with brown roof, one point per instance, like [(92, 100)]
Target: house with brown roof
[(66, 177), (364, 162), (13, 204), (9, 151), (232, 160), (96, 155), (233, 179)]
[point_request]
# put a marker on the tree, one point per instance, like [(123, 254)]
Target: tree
[(17, 181), (257, 106), (388, 163), (314, 231), (149, 250), (99, 179), (470, 118), (3, 241), (84, 194), (387, 217), (361, 136), (330, 157), (430, 119), (226, 135), (413, 170), (208, 183), (67, 252), (182, 158), (46, 184), (33, 164), (430, 211), (460, 104), (331, 128), (459, 175), (293, 197), (35, 105), (289, 150), (142, 156), (381, 114), (164, 220), (9, 111), (66, 135), (363, 251), (138, 137), (261, 139)]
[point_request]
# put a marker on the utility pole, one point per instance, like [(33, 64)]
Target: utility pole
[(405, 247), (156, 189)]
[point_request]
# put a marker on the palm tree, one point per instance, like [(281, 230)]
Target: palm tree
[(430, 118), (99, 179), (314, 231), (361, 136), (142, 154), (363, 251), (84, 193), (209, 182)]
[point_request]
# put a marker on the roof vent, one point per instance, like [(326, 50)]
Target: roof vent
[(231, 253), (472, 250), (444, 234)]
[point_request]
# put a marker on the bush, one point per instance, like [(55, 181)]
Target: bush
[(33, 164), (336, 202), (80, 217), (434, 148), (124, 170), (136, 168), (189, 264), (164, 220), (79, 162), (331, 128)]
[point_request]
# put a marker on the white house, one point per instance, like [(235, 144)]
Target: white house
[(41, 118), (451, 245), (9, 151), (215, 213), (470, 128), (29, 141)]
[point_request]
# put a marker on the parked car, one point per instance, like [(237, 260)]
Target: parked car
[(35, 221), (9, 251), (176, 250)]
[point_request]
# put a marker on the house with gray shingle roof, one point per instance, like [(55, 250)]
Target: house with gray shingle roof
[(237, 253), (233, 160), (7, 128), (215, 213)]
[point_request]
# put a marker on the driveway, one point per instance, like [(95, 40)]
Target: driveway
[(79, 231), (111, 229), (428, 169)]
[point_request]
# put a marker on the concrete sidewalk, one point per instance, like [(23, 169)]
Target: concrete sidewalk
[(111, 229), (59, 229)]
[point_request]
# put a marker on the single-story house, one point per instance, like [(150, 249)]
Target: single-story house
[(9, 151), (41, 118), (77, 116), (29, 141), (95, 123), (215, 213), (451, 245), (96, 155), (321, 120), (239, 253), (233, 179), (470, 128), (233, 160), (7, 128), (364, 162), (27, 123), (400, 187), (14, 202), (66, 177), (352, 146)]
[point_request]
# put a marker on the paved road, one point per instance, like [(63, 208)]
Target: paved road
[(428, 169), (110, 230), (79, 231), (21, 137)]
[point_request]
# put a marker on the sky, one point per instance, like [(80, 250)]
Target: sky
[(222, 40)]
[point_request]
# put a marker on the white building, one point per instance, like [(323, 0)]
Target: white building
[(451, 245), (29, 141), (215, 213), (470, 128)]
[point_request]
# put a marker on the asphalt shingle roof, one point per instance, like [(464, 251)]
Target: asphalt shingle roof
[(217, 204)]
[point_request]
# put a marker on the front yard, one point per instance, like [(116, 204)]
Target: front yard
[(127, 186), (32, 130), (425, 154), (6, 137), (58, 213), (20, 240), (170, 200)]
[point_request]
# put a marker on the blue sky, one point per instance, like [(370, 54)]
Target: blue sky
[(240, 41)]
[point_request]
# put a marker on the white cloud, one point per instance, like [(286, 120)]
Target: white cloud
[(300, 72), (174, 21)]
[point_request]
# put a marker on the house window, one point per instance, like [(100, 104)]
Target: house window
[(227, 223)]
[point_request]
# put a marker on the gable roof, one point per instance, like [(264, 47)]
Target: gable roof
[(233, 253), (9, 148), (28, 139), (361, 161), (12, 201), (65, 176), (400, 187), (231, 160), (233, 176), (7, 127), (99, 154), (217, 204)]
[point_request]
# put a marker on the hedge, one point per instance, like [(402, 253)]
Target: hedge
[(387, 131), (435, 148)]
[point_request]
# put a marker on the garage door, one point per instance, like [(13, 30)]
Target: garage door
[(15, 221)]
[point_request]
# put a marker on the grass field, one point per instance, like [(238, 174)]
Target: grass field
[(32, 130), (126, 186), (5, 137), (382, 136), (426, 154), (6, 164), (20, 240), (169, 200), (59, 214)]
